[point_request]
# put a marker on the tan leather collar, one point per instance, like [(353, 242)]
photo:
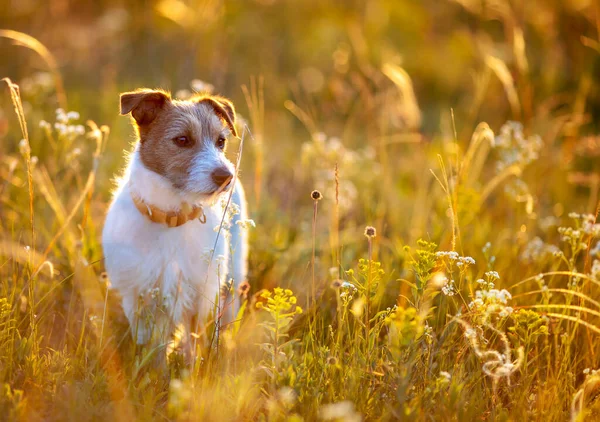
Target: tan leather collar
[(169, 218)]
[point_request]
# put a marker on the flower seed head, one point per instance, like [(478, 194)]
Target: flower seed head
[(243, 289), (332, 360), (370, 232), (336, 284), (316, 195)]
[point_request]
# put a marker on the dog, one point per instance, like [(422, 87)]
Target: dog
[(162, 250)]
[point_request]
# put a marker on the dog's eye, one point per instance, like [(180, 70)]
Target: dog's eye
[(221, 142), (183, 141)]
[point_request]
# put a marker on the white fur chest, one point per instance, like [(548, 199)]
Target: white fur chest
[(143, 258)]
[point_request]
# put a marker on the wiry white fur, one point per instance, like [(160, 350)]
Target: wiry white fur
[(199, 179), (141, 255)]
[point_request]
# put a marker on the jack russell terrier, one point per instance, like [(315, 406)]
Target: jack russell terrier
[(161, 244)]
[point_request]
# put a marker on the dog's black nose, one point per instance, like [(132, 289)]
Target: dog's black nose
[(221, 177)]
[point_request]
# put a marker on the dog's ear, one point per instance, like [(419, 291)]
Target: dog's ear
[(144, 105), (224, 109)]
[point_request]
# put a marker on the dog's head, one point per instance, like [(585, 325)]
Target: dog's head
[(184, 141)]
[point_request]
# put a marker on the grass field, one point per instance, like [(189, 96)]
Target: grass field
[(450, 271)]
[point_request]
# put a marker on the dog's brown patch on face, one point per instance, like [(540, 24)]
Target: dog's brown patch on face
[(160, 122)]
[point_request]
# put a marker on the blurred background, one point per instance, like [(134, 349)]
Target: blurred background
[(312, 48), (377, 88)]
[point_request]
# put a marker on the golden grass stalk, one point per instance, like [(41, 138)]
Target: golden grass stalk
[(491, 186), (45, 186), (408, 104), (335, 220), (564, 291), (482, 133), (33, 44), (503, 74), (552, 273), (369, 282), (88, 188), (519, 50), (445, 184), (255, 100), (574, 319), (19, 253), (100, 135), (15, 96), (588, 391), (301, 115), (564, 307), (86, 282)]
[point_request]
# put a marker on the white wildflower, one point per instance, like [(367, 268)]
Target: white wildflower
[(492, 275), (221, 261), (61, 116), (339, 411), (537, 250), (24, 148), (451, 255), (467, 260), (488, 301), (470, 334), (245, 223), (448, 287), (72, 115)]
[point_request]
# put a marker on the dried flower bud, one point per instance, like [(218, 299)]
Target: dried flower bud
[(24, 148), (243, 289), (370, 232)]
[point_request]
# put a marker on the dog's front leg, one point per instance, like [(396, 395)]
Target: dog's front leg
[(141, 328)]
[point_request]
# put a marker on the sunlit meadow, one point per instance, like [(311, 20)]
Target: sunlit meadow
[(423, 180)]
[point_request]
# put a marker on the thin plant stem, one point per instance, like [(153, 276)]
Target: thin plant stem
[(368, 295), (218, 312), (104, 315), (314, 242)]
